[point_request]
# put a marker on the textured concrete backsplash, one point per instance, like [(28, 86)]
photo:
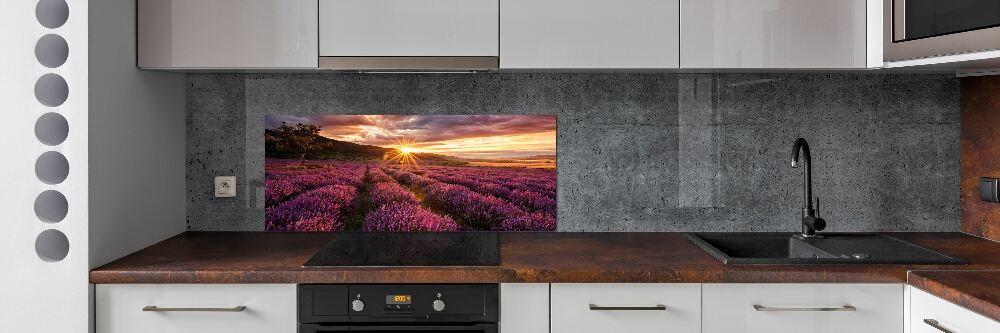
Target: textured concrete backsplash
[(637, 152)]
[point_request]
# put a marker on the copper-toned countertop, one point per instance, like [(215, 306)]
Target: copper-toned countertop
[(257, 257), (978, 291)]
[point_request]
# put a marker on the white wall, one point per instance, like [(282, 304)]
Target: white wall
[(137, 186), (138, 131)]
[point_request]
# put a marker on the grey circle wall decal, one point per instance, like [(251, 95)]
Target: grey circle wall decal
[(51, 128), (52, 245), (51, 90), (51, 206), (51, 51), (52, 13), (52, 168)]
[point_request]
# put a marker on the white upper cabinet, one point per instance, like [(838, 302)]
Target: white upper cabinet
[(511, 34), (227, 34), (589, 34), (409, 28), (779, 34)]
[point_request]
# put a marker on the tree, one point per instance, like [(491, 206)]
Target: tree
[(298, 140)]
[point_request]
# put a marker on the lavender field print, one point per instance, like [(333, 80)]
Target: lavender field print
[(410, 173)]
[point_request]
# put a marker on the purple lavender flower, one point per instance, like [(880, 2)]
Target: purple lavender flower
[(326, 202), (376, 175), (534, 201), (536, 221), (384, 193), (401, 216)]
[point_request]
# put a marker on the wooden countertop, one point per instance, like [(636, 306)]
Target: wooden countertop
[(978, 291), (258, 257)]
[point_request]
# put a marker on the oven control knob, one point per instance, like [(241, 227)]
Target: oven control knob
[(358, 305), (438, 305)]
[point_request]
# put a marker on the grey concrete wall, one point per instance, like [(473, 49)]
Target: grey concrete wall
[(637, 152)]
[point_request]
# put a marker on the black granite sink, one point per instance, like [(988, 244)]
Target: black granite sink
[(833, 248)]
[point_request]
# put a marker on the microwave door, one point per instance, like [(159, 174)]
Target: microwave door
[(915, 29), (917, 19)]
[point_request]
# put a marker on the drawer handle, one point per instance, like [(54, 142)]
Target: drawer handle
[(159, 309), (595, 307), (934, 323), (769, 308)]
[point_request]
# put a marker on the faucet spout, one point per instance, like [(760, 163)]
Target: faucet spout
[(810, 222), (802, 146)]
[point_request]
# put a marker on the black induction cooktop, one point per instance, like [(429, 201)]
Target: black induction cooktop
[(409, 249)]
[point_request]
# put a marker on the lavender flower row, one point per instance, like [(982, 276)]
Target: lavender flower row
[(376, 175), (316, 210), (385, 193), (542, 181), (281, 185), (479, 211), (402, 216), (526, 199)]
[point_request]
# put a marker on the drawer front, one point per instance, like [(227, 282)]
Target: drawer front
[(947, 316), (633, 308), (803, 308), (269, 308)]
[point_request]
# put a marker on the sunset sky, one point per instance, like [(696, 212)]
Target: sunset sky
[(455, 135)]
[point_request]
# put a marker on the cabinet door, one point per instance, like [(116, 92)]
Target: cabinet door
[(803, 308), (773, 34), (524, 307), (425, 28), (270, 308), (589, 34), (927, 310), (227, 34), (626, 307)]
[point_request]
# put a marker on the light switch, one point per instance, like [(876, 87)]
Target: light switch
[(225, 186), (988, 189)]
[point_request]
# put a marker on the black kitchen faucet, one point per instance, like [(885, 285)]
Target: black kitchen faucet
[(810, 221)]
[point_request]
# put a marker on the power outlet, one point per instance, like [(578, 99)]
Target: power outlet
[(225, 186)]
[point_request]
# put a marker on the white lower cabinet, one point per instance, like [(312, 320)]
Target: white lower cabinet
[(627, 307), (803, 308), (930, 314), (569, 307), (186, 308), (524, 307)]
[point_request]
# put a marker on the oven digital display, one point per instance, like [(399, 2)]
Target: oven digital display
[(398, 299)]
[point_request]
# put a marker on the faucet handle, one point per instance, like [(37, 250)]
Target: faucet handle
[(817, 206)]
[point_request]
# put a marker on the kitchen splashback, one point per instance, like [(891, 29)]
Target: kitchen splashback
[(637, 152), (409, 173)]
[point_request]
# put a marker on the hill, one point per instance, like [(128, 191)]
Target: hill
[(330, 149)]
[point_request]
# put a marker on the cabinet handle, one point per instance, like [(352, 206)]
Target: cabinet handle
[(159, 309), (934, 323), (595, 307), (768, 308)]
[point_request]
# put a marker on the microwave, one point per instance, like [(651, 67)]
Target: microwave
[(915, 29)]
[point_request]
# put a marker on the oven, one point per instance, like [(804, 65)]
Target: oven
[(377, 308), (915, 29)]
